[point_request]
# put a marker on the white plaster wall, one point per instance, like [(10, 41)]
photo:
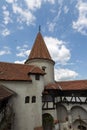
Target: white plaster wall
[(49, 77), (29, 115)]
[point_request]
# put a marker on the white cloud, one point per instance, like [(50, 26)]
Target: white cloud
[(81, 24), (54, 21), (20, 62), (33, 4), (36, 4), (23, 15), (22, 51), (66, 9), (4, 51), (51, 26), (5, 32), (60, 2), (4, 7), (59, 52), (65, 74), (50, 1), (6, 16), (20, 27), (52, 10), (10, 1), (23, 11)]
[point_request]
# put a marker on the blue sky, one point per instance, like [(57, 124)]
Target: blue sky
[(63, 26)]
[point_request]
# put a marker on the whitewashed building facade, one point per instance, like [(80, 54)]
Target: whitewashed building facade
[(31, 92)]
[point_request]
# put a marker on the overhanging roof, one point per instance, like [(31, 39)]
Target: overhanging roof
[(5, 92)]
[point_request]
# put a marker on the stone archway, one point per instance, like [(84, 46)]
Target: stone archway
[(79, 124), (79, 117), (47, 121), (78, 112), (62, 113)]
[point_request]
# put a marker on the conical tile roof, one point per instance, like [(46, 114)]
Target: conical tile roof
[(39, 49)]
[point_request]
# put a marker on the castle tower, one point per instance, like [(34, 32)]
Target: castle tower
[(40, 57)]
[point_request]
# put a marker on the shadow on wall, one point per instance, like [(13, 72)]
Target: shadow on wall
[(38, 128)]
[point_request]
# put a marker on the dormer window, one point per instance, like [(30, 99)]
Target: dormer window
[(37, 77), (43, 68)]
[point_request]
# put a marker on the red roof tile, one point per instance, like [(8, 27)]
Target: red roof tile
[(39, 50), (52, 86), (5, 93), (68, 85), (19, 72)]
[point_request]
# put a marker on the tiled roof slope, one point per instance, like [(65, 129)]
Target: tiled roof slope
[(5, 93), (19, 72), (39, 49), (68, 85)]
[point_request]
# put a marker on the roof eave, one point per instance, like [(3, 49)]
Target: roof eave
[(40, 59)]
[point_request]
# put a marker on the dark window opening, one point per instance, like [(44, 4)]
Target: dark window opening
[(47, 98), (43, 68), (37, 77), (81, 127), (33, 99), (27, 99)]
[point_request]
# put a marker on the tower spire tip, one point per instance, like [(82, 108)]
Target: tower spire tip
[(39, 28)]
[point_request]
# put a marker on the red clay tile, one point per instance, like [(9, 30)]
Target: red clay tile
[(19, 72), (39, 50), (68, 85)]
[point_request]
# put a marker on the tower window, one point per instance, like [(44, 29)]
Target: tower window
[(33, 99), (37, 77), (27, 99), (43, 68)]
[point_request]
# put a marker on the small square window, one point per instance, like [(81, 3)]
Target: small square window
[(33, 99), (37, 77), (43, 68)]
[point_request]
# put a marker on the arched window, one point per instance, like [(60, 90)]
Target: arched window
[(33, 99), (47, 121), (27, 99)]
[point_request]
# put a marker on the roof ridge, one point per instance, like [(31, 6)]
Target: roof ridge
[(16, 64), (72, 80)]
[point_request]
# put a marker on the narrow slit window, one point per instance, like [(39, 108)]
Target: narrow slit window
[(33, 99), (27, 99)]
